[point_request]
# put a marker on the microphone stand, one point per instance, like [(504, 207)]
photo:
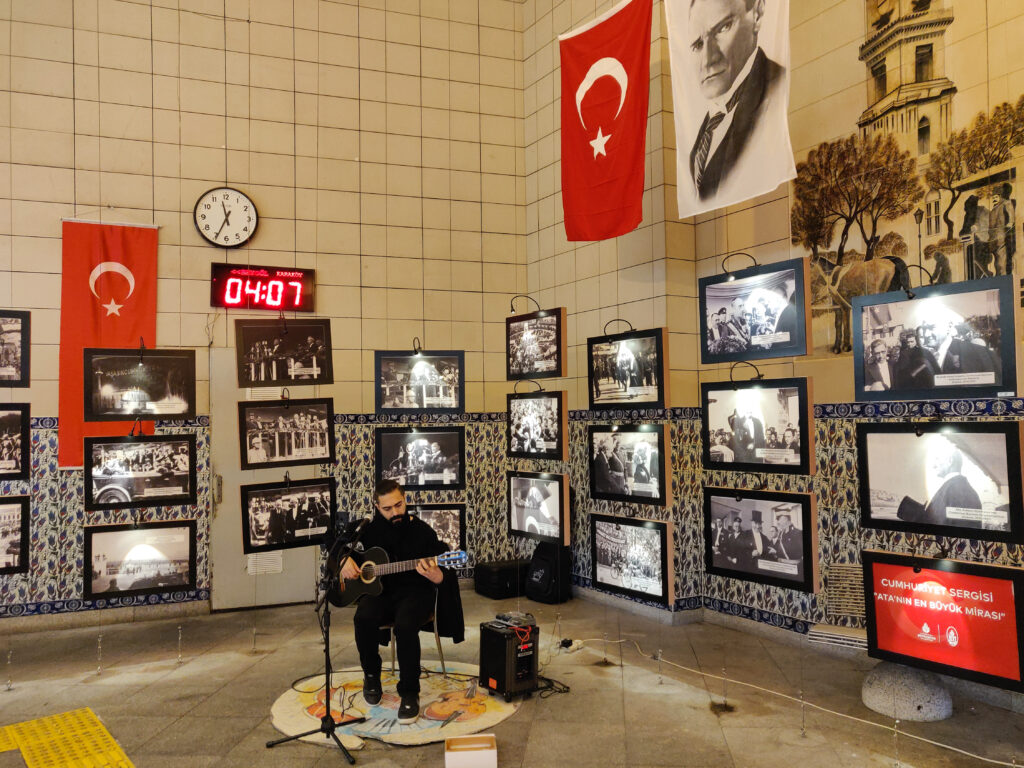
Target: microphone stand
[(346, 544)]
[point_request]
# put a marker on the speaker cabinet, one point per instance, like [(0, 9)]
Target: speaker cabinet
[(549, 579)]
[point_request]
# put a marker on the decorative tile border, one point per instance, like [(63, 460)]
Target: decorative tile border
[(75, 606), (1003, 406), (756, 614)]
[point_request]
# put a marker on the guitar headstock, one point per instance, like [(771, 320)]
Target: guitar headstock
[(454, 559)]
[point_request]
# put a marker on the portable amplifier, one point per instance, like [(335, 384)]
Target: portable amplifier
[(508, 655)]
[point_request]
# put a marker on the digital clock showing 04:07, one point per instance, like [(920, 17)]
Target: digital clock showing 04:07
[(245, 286)]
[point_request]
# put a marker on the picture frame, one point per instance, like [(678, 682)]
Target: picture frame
[(924, 612), (15, 348), (960, 479), (614, 540), (761, 425), (139, 471), (537, 426), (422, 458), (14, 535), (757, 313), (285, 433), (535, 345), (132, 384), (419, 382), (538, 506), (628, 463), (447, 520), (15, 439), (144, 559), (628, 370), (785, 557), (287, 514), (956, 340), (275, 352)]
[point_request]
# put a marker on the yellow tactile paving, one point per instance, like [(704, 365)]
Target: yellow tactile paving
[(75, 739), (6, 740)]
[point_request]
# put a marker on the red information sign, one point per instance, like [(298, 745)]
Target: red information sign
[(961, 620)]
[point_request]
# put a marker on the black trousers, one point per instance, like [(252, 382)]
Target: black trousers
[(408, 610)]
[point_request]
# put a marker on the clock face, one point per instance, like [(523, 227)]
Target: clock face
[(225, 217)]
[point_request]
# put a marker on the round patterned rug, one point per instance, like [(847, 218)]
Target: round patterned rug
[(451, 706)]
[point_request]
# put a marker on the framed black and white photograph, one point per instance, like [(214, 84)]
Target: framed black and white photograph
[(129, 384), (15, 347), (951, 479), (627, 463), (953, 340), (755, 313), (422, 458), (144, 559), (14, 534), (538, 506), (632, 556), (761, 536), (15, 439), (144, 471), (420, 382), (628, 370), (537, 426), (282, 353), (447, 520), (285, 433), (287, 514), (758, 426), (535, 345)]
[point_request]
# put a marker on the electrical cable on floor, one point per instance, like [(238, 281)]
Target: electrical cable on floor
[(788, 697), (549, 687)]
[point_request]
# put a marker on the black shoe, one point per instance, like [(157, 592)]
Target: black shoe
[(372, 690), (409, 711)]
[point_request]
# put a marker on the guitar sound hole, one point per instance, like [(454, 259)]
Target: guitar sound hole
[(367, 574)]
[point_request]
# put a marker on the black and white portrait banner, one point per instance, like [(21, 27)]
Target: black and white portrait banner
[(730, 89)]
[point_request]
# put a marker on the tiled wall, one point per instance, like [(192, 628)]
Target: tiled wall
[(382, 142)]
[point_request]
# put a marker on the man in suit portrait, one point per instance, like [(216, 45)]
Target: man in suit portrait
[(747, 435), (791, 541), (957, 350), (945, 461), (877, 369), (742, 146), (758, 542)]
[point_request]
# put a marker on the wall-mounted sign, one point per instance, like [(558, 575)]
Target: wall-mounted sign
[(246, 286)]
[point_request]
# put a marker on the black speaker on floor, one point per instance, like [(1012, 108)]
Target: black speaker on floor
[(549, 579)]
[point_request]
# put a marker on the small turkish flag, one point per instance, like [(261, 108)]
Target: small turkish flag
[(107, 299), (606, 74)]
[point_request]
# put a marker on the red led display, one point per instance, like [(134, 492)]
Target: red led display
[(246, 286)]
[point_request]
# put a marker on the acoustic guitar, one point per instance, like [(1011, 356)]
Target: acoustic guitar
[(376, 564)]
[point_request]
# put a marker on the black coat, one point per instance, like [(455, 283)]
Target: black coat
[(748, 98), (409, 539)]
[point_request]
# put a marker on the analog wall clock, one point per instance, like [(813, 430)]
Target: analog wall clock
[(225, 217)]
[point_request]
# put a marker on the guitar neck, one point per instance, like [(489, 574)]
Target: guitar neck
[(385, 569)]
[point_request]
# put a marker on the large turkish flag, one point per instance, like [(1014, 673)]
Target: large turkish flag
[(606, 73), (108, 299)]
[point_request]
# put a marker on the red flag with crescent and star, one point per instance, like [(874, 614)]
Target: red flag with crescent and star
[(606, 74), (107, 299)]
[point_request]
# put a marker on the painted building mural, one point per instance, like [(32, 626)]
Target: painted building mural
[(922, 189)]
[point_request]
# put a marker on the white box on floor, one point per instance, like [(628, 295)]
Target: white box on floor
[(478, 750)]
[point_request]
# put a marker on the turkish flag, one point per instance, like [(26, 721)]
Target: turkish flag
[(107, 299), (606, 74)]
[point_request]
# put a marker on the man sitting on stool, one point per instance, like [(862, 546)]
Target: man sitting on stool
[(407, 599)]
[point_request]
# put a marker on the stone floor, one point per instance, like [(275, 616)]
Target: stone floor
[(212, 709)]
